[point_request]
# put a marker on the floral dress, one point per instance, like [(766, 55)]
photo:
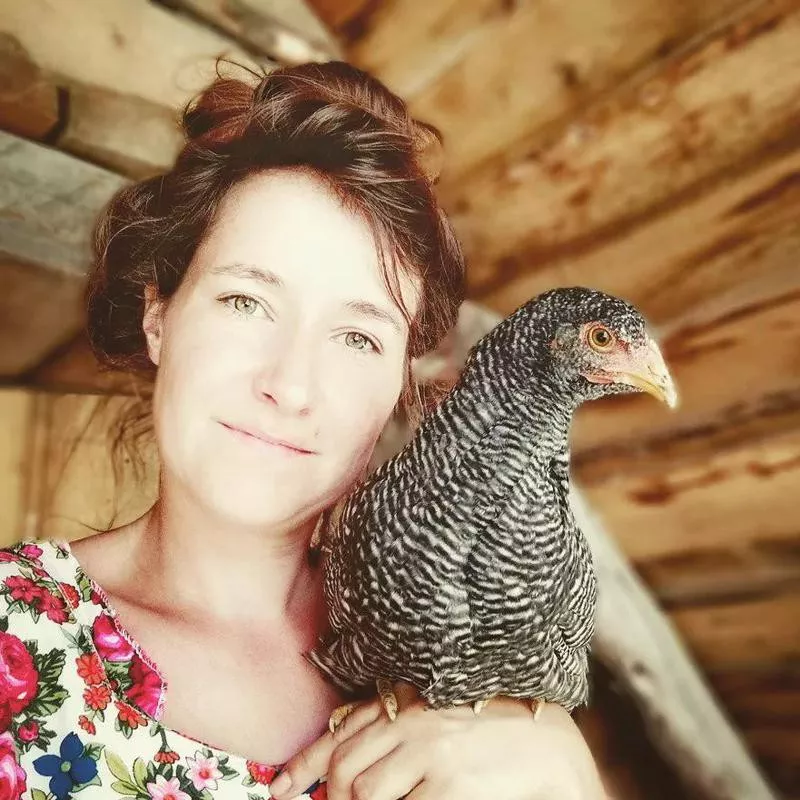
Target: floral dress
[(80, 702)]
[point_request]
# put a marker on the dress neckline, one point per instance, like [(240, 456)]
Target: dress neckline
[(57, 565)]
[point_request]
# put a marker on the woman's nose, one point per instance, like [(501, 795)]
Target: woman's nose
[(287, 376)]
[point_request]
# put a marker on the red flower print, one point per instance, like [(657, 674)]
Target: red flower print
[(97, 697), (320, 793), (23, 589), (6, 557), (13, 780), (18, 678), (95, 598), (71, 593), (90, 669), (166, 757), (110, 643), (147, 686), (128, 715), (31, 551), (54, 607), (28, 731), (87, 724), (261, 773)]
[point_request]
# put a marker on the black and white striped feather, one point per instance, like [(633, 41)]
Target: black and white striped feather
[(458, 566)]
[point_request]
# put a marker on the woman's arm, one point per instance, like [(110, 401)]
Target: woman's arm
[(449, 755)]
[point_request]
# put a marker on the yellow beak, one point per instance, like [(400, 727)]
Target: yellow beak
[(653, 377)]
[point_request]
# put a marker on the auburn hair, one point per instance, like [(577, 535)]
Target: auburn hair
[(330, 118)]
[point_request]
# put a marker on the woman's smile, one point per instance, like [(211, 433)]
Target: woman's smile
[(261, 439)]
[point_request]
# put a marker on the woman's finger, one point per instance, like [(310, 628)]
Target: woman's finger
[(313, 761), (354, 757), (391, 777)]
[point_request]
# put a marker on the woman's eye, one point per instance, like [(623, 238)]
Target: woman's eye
[(243, 304), (358, 341)]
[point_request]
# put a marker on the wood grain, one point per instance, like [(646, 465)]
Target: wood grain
[(680, 122), (146, 63), (287, 31), (556, 56), (48, 204)]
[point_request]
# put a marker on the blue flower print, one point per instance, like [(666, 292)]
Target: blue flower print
[(72, 768)]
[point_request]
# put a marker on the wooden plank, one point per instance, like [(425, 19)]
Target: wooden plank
[(555, 57), (127, 134), (629, 763), (28, 101), (755, 568), (646, 149), (765, 696), (146, 63), (737, 243), (738, 498), (287, 31), (48, 204), (38, 310), (76, 486), (640, 646), (15, 417), (73, 369), (342, 16), (742, 635), (765, 702), (778, 748)]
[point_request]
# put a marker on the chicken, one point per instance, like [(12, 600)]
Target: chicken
[(458, 566)]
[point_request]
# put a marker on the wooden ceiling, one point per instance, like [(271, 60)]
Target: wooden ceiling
[(648, 148)]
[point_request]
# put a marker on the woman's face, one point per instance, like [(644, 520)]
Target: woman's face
[(282, 329)]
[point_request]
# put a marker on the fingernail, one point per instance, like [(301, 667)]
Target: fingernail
[(281, 784)]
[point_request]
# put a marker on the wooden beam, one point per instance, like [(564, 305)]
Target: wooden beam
[(640, 646), (71, 449), (622, 162), (736, 636), (73, 369), (342, 16), (766, 705), (288, 31), (29, 103), (48, 204), (124, 101), (16, 408), (737, 243), (733, 497), (553, 59), (124, 133)]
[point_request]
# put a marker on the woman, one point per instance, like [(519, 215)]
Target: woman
[(277, 280)]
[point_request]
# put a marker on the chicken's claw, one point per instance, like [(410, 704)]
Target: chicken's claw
[(339, 715), (388, 697)]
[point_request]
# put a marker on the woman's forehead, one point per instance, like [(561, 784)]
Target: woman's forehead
[(292, 225)]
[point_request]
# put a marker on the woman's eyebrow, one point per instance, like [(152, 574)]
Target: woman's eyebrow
[(369, 310), (251, 271)]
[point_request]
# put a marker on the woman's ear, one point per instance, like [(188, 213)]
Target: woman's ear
[(153, 322)]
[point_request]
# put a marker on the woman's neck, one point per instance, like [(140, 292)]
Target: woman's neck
[(182, 555)]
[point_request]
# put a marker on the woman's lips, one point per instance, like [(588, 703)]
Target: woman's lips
[(252, 434)]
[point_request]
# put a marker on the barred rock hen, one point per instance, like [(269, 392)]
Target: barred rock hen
[(457, 566)]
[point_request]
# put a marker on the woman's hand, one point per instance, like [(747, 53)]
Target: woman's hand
[(448, 754)]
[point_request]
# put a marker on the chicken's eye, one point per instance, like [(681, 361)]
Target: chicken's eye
[(601, 338)]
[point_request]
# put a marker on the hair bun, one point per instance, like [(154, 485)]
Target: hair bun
[(220, 113)]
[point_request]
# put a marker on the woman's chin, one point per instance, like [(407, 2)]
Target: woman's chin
[(260, 506)]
